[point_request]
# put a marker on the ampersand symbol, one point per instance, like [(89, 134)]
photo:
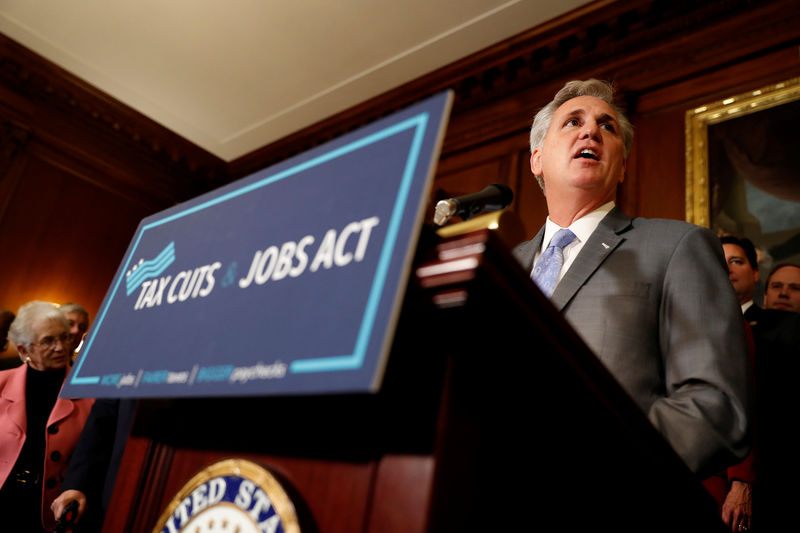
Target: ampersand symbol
[(230, 275)]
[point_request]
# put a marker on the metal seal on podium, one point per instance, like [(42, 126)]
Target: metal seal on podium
[(233, 495)]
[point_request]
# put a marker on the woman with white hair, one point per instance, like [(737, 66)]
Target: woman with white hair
[(38, 430)]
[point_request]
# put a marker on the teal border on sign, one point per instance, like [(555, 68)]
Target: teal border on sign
[(321, 364)]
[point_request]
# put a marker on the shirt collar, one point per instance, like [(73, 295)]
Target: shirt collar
[(582, 228)]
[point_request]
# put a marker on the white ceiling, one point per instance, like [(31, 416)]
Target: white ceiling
[(234, 75)]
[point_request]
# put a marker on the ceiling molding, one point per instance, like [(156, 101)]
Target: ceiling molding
[(639, 44), (52, 89), (609, 39)]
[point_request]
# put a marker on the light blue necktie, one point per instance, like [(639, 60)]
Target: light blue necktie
[(548, 267)]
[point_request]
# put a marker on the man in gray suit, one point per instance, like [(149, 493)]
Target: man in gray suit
[(651, 298)]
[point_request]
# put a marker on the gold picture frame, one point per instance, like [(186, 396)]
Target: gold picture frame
[(699, 184), (743, 170)]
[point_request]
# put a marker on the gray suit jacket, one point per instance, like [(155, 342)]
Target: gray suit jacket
[(652, 299)]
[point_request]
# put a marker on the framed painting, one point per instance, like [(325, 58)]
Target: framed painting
[(743, 170)]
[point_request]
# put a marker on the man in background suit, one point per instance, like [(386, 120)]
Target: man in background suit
[(783, 288), (742, 260), (733, 487), (641, 293), (777, 329), (776, 334)]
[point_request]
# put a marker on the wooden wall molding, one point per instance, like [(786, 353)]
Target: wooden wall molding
[(52, 91), (13, 139), (638, 44)]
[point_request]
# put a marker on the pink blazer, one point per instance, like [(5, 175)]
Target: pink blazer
[(63, 429)]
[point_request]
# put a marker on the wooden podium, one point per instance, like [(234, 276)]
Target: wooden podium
[(493, 416)]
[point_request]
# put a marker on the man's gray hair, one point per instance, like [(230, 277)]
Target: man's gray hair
[(573, 89), (71, 307), (21, 330)]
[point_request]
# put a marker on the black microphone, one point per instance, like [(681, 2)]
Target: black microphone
[(494, 197)]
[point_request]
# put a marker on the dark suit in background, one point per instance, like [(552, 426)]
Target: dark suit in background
[(96, 460), (777, 338)]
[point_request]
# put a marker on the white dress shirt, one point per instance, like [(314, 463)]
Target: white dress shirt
[(582, 228)]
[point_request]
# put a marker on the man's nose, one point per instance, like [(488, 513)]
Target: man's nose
[(590, 131)]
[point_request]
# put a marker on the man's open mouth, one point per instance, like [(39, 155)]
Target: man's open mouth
[(587, 153)]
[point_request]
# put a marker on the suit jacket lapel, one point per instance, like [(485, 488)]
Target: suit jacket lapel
[(753, 314), (62, 408), (603, 241), (527, 251)]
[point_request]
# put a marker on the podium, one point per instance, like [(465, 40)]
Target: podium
[(493, 415)]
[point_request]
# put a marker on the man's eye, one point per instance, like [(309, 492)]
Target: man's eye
[(572, 122), (609, 127)]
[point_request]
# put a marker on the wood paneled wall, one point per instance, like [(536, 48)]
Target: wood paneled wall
[(78, 170), (663, 57)]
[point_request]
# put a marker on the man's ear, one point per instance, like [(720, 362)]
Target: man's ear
[(755, 275), (536, 162), (624, 169)]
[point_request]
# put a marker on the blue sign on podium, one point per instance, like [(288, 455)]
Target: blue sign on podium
[(288, 281)]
